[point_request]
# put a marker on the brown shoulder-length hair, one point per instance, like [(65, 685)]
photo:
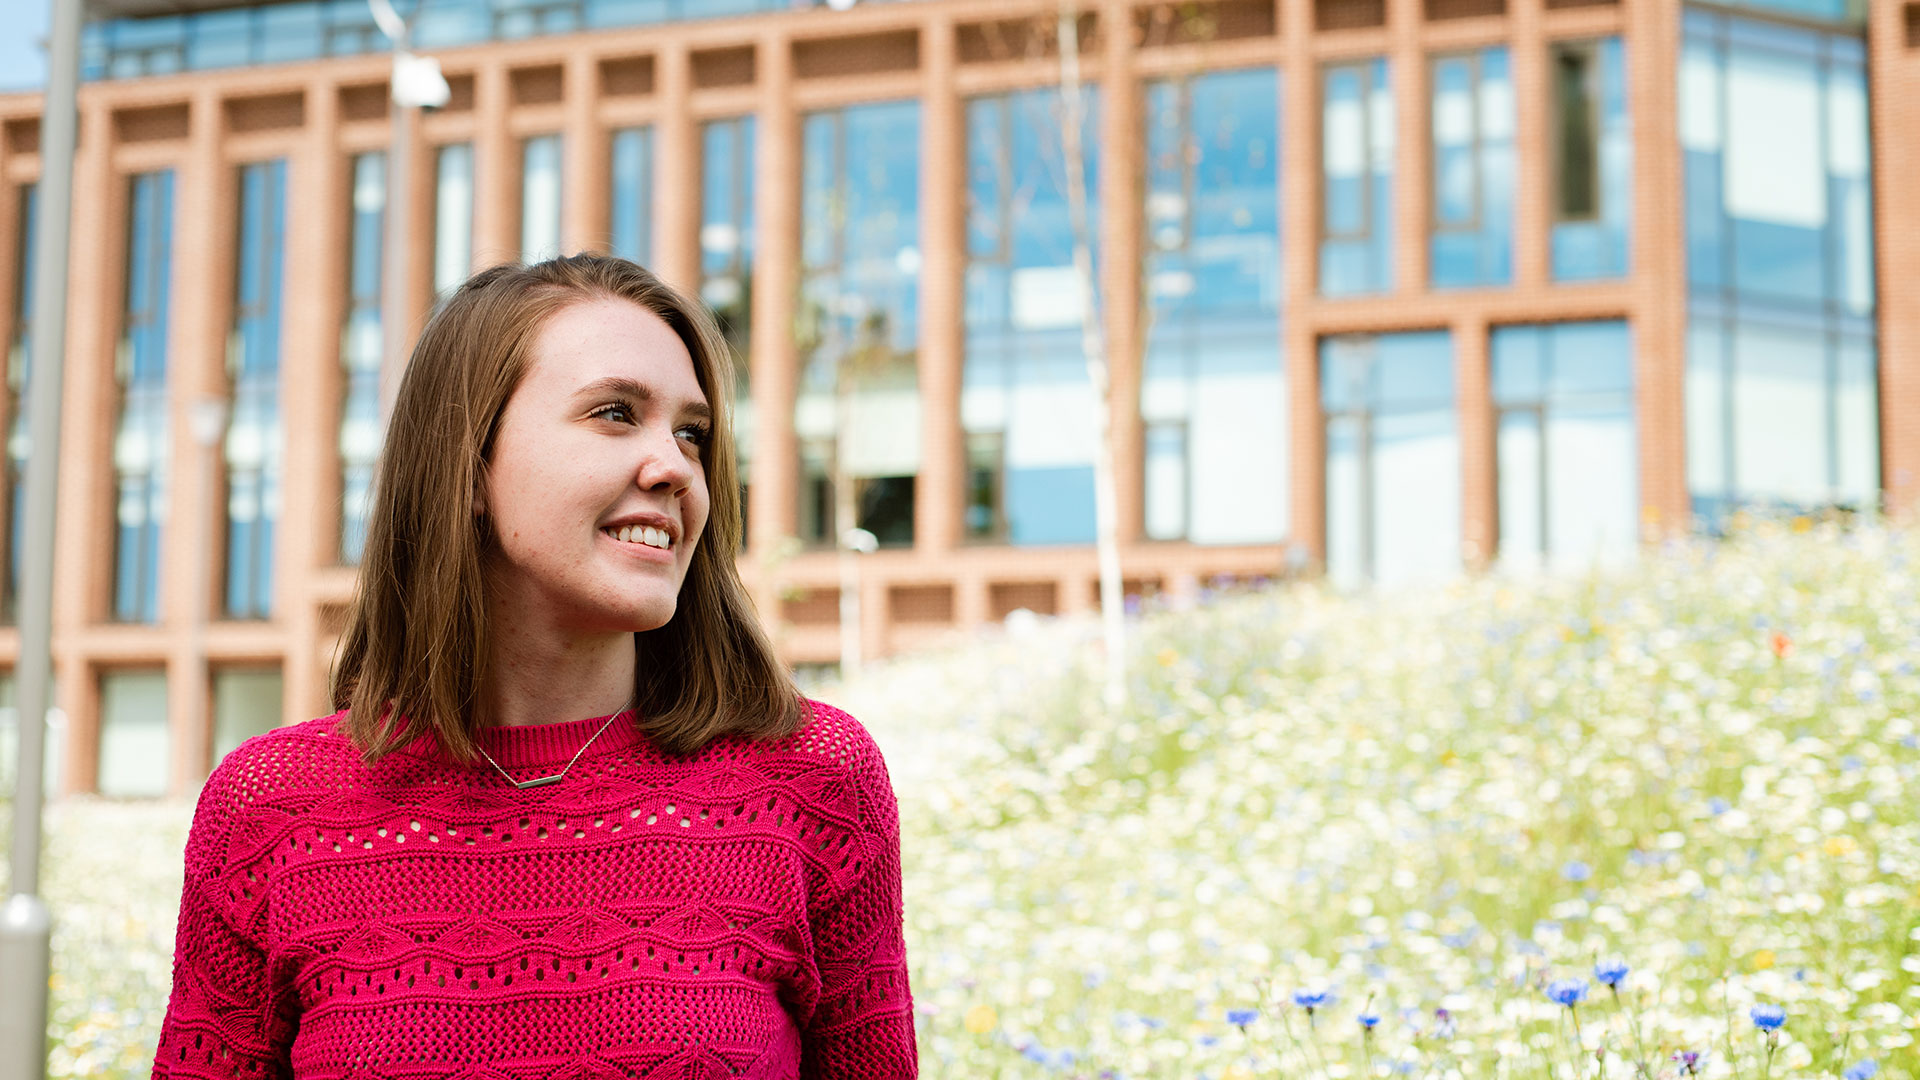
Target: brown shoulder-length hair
[(413, 656)]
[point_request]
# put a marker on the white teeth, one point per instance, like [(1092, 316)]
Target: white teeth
[(643, 534)]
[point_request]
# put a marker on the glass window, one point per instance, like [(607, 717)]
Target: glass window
[(19, 353), (1025, 378), (1782, 401), (54, 750), (452, 217), (1213, 395), (288, 32), (136, 755), (1473, 167), (361, 347), (631, 214), (858, 404), (540, 198), (726, 262), (246, 702), (1592, 161), (1356, 193), (1567, 462), (255, 439), (141, 445), (1393, 458)]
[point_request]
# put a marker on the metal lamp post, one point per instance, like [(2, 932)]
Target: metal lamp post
[(26, 925), (853, 544)]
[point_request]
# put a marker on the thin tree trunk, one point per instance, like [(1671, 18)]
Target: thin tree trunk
[(1093, 343)]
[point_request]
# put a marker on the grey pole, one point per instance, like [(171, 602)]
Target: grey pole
[(25, 924)]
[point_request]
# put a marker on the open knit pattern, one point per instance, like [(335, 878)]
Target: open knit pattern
[(736, 913)]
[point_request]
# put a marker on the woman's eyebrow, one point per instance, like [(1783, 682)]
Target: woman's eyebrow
[(620, 384)]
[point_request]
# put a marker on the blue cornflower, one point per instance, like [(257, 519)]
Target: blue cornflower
[(1576, 871), (1861, 1070), (1312, 999), (1241, 1017), (1768, 1017), (1568, 992), (1367, 1020), (1717, 806), (1689, 1060), (1610, 971)]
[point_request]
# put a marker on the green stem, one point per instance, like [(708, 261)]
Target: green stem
[(1633, 1025)]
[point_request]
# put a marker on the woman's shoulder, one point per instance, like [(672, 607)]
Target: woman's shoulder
[(289, 761)]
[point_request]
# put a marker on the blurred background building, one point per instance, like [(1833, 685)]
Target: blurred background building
[(1393, 289)]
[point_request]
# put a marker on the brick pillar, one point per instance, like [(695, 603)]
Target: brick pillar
[(496, 171), (776, 276), (1122, 147), (941, 492), (1894, 70), (84, 516), (319, 185), (1531, 144), (1300, 241), (1407, 75), (1479, 509), (584, 172), (676, 171), (1658, 262)]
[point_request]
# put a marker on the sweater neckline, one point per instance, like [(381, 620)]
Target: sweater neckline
[(544, 744)]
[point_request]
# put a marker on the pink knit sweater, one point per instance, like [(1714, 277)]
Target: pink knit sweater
[(735, 914)]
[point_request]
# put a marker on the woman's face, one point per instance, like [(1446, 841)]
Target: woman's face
[(597, 454)]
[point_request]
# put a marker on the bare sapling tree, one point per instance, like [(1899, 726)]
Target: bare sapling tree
[(1093, 344)]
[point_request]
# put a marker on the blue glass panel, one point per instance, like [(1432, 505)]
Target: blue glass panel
[(1584, 250), (254, 439), (218, 39), (288, 32), (1050, 505), (626, 12), (1356, 151), (1024, 382), (632, 210)]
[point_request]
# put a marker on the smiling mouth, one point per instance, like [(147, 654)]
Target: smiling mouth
[(642, 534)]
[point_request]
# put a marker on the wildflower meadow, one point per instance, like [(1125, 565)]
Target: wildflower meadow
[(1660, 822)]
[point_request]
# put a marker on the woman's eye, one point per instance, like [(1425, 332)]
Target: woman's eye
[(609, 412), (698, 434)]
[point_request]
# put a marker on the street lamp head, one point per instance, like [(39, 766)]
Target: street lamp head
[(859, 540), (417, 82)]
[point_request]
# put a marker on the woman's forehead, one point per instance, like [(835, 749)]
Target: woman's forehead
[(597, 341)]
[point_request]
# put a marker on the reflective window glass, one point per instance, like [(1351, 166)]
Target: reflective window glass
[(361, 346), (1213, 391), (255, 440), (452, 216), (1567, 454), (1026, 403), (631, 215), (141, 444), (1473, 126), (1592, 160), (858, 403), (1393, 457), (1356, 158), (540, 198), (135, 741)]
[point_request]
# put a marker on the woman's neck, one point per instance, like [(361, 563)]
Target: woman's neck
[(539, 675)]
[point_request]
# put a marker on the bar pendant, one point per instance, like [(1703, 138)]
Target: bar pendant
[(539, 781)]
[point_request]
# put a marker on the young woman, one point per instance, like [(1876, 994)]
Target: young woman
[(573, 819)]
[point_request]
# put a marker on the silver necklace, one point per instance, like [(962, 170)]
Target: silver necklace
[(542, 781)]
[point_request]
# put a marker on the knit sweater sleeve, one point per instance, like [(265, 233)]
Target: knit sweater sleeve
[(862, 1028), (224, 1018)]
